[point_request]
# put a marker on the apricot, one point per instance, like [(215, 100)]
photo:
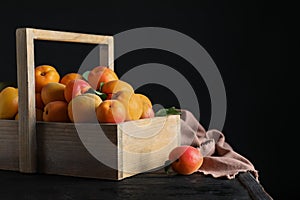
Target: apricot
[(8, 103), (112, 87), (17, 116), (53, 92), (45, 74), (185, 159), (39, 114), (38, 101), (111, 111), (70, 76), (148, 111), (101, 74), (131, 102), (82, 108), (56, 111), (76, 87)]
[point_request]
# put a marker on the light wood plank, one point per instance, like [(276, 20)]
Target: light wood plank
[(63, 36), (25, 62), (145, 144), (111, 57), (26, 88)]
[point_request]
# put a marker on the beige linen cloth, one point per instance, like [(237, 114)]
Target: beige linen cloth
[(220, 160)]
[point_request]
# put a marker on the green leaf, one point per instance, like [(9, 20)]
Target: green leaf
[(167, 167), (85, 75), (100, 87), (103, 96), (167, 111)]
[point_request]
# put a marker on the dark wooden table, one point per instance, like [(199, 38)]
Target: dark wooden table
[(154, 186)]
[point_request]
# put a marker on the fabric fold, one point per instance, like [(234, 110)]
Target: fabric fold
[(220, 160)]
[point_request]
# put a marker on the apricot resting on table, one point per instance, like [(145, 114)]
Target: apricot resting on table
[(185, 159)]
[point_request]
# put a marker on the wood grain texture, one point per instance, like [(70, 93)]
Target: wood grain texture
[(256, 190), (65, 149), (64, 36), (143, 186), (9, 145), (146, 144), (26, 88), (106, 151), (25, 66)]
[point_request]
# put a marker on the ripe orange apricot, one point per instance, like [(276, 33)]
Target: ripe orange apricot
[(148, 111), (53, 92), (45, 74), (111, 111), (38, 101), (114, 86), (39, 114), (131, 102), (82, 108), (70, 76), (56, 111), (76, 87), (8, 103), (101, 74), (185, 159)]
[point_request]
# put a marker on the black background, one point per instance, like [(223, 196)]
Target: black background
[(247, 41)]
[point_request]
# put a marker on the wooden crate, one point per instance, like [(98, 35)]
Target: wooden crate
[(9, 145), (105, 151)]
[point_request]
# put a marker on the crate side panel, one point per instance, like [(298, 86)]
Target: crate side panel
[(146, 143), (9, 145), (62, 151)]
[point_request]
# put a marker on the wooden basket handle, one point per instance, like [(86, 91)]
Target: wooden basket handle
[(26, 83)]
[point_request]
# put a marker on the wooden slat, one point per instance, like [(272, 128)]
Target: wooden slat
[(63, 36), (26, 88), (142, 186), (103, 55), (9, 145), (61, 151), (111, 58), (145, 144), (255, 189)]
